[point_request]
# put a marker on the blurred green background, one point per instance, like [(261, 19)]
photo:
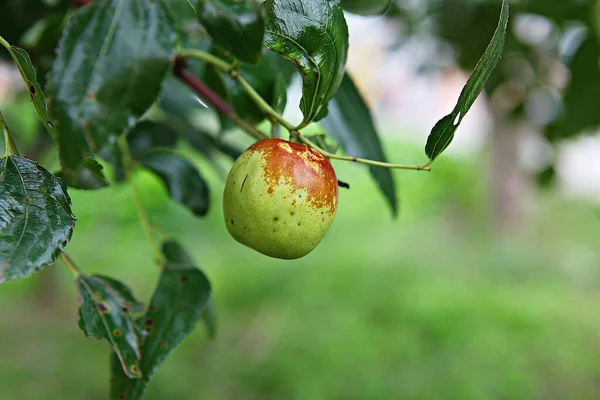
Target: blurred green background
[(487, 285), (429, 306)]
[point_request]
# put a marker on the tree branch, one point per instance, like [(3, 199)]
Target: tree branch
[(231, 70), (182, 72), (81, 3)]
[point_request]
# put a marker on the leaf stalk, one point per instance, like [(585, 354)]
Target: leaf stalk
[(68, 261), (309, 143), (10, 147), (137, 199)]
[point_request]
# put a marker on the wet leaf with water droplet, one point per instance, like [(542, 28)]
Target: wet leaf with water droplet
[(314, 37), (120, 53), (36, 221), (443, 131)]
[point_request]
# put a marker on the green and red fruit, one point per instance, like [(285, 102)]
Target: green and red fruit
[(280, 198)]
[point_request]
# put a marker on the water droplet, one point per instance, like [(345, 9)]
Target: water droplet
[(457, 119)]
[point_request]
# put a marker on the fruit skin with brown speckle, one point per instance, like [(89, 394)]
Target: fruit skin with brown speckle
[(280, 198)]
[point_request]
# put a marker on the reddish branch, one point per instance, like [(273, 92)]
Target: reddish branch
[(181, 70), (79, 3)]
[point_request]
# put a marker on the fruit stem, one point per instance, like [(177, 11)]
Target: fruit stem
[(143, 215), (10, 147), (308, 142), (231, 70), (70, 264)]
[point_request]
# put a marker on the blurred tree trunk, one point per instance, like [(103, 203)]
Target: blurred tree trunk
[(509, 184)]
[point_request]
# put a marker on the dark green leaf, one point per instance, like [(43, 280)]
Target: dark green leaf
[(109, 69), (16, 16), (314, 36), (178, 303), (184, 182), (36, 221), (148, 135), (350, 123), (579, 112), (365, 7), (183, 14), (89, 176), (236, 26), (36, 94), (145, 136), (443, 132), (104, 313)]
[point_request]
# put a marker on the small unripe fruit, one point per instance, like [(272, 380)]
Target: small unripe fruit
[(280, 198)]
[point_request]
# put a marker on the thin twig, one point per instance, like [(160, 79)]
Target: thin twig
[(306, 141), (10, 147), (143, 215), (70, 264)]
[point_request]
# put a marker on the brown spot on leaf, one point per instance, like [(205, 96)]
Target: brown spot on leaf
[(102, 307), (32, 88), (117, 332)]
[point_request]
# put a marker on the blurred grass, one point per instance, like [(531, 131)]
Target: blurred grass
[(428, 306)]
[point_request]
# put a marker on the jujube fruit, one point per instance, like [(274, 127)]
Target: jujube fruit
[(280, 198)]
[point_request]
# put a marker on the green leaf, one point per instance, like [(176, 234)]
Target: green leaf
[(236, 26), (36, 221), (184, 182), (145, 136), (350, 123), (17, 16), (365, 7), (109, 69), (183, 14), (443, 132), (38, 98), (148, 135), (105, 313), (314, 36), (583, 91), (178, 303)]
